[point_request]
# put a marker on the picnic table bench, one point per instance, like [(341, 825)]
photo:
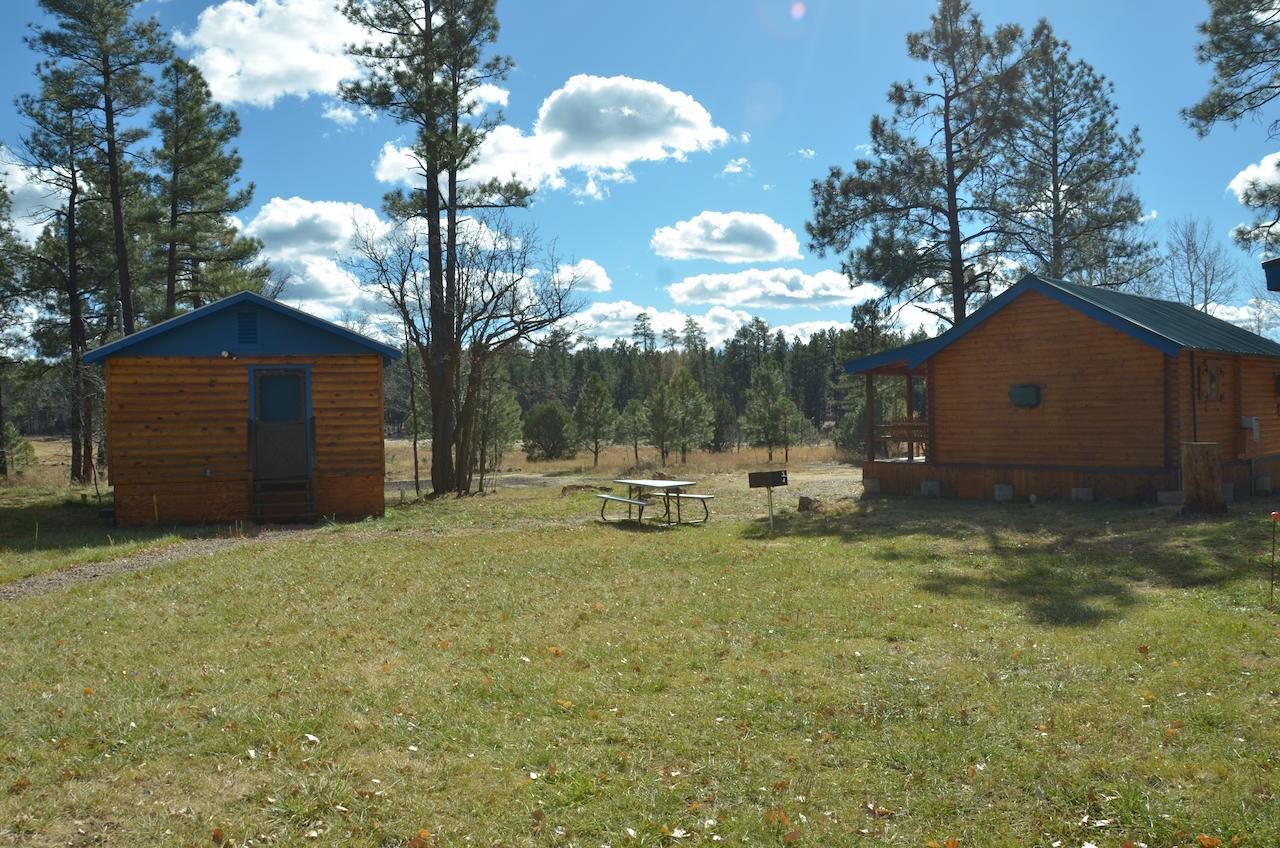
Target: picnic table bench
[(668, 490), (630, 502)]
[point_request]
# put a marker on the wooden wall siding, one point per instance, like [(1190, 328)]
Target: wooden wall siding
[(978, 482), (350, 497), (177, 431), (1102, 397), (1215, 418), (1258, 397), (188, 502)]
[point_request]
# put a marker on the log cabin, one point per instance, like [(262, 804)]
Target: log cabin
[(244, 409), (1057, 390)]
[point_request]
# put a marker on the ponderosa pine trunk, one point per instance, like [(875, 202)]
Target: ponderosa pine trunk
[(117, 204)]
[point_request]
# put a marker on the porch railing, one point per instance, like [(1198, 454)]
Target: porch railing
[(904, 438)]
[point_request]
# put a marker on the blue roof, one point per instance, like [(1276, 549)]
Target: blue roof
[(243, 324), (1167, 326)]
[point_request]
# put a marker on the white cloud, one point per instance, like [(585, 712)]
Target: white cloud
[(727, 237), (588, 274), (256, 51), (305, 239), (597, 126), (614, 320), (396, 165), (487, 93), (737, 166), (31, 199), (744, 137), (804, 329), (1257, 314), (341, 114), (777, 288), (1266, 172), (806, 153)]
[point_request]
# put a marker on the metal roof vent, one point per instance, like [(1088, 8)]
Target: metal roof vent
[(247, 328)]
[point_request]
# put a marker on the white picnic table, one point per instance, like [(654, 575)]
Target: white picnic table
[(664, 488)]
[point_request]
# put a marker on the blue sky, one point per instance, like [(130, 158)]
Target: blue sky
[(739, 105)]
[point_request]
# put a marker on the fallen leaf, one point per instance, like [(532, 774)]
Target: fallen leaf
[(554, 651), (791, 836), (1142, 649), (1206, 841), (568, 705), (217, 836)]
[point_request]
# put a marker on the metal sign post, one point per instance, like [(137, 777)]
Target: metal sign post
[(767, 480)]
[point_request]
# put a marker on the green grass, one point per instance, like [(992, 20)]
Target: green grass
[(502, 670), (48, 528)]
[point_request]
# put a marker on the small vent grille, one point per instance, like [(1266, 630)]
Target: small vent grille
[(247, 328)]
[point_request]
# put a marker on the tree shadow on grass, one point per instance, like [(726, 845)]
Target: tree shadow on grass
[(67, 525), (1063, 564)]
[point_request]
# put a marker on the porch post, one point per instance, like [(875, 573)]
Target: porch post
[(911, 416), (871, 426)]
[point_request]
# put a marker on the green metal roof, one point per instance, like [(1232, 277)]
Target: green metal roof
[(1183, 325)]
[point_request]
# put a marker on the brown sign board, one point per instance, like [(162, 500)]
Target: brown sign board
[(766, 479)]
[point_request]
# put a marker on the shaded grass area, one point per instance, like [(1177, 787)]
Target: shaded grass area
[(47, 528), (488, 669)]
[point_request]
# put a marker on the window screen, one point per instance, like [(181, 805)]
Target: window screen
[(280, 397)]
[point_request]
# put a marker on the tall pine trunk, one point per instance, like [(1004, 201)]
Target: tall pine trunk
[(4, 447), (117, 204), (75, 322), (171, 267), (413, 412), (466, 426), (86, 431)]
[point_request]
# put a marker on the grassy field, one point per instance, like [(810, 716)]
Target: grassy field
[(47, 525), (505, 670)]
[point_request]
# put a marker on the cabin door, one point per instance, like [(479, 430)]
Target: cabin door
[(281, 425)]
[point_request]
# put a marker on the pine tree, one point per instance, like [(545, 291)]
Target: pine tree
[(691, 415), (1242, 42), (106, 54), (765, 420), (57, 148), (927, 198), (205, 256), (660, 421), (422, 66), (633, 426), (594, 416), (1069, 210)]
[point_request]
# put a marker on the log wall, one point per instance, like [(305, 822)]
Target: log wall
[(178, 436), (1102, 392), (978, 482)]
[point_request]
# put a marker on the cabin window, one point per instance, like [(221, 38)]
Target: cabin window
[(1212, 382), (1026, 395), (247, 328)]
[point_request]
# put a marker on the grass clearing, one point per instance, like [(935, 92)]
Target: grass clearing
[(504, 670)]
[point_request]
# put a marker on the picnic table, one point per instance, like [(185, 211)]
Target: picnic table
[(668, 490)]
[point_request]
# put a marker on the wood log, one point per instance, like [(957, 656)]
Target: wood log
[(1202, 477)]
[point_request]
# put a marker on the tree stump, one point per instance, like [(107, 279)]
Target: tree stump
[(1202, 477)]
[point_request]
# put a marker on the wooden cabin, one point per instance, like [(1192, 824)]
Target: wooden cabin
[(245, 409), (1058, 390)]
